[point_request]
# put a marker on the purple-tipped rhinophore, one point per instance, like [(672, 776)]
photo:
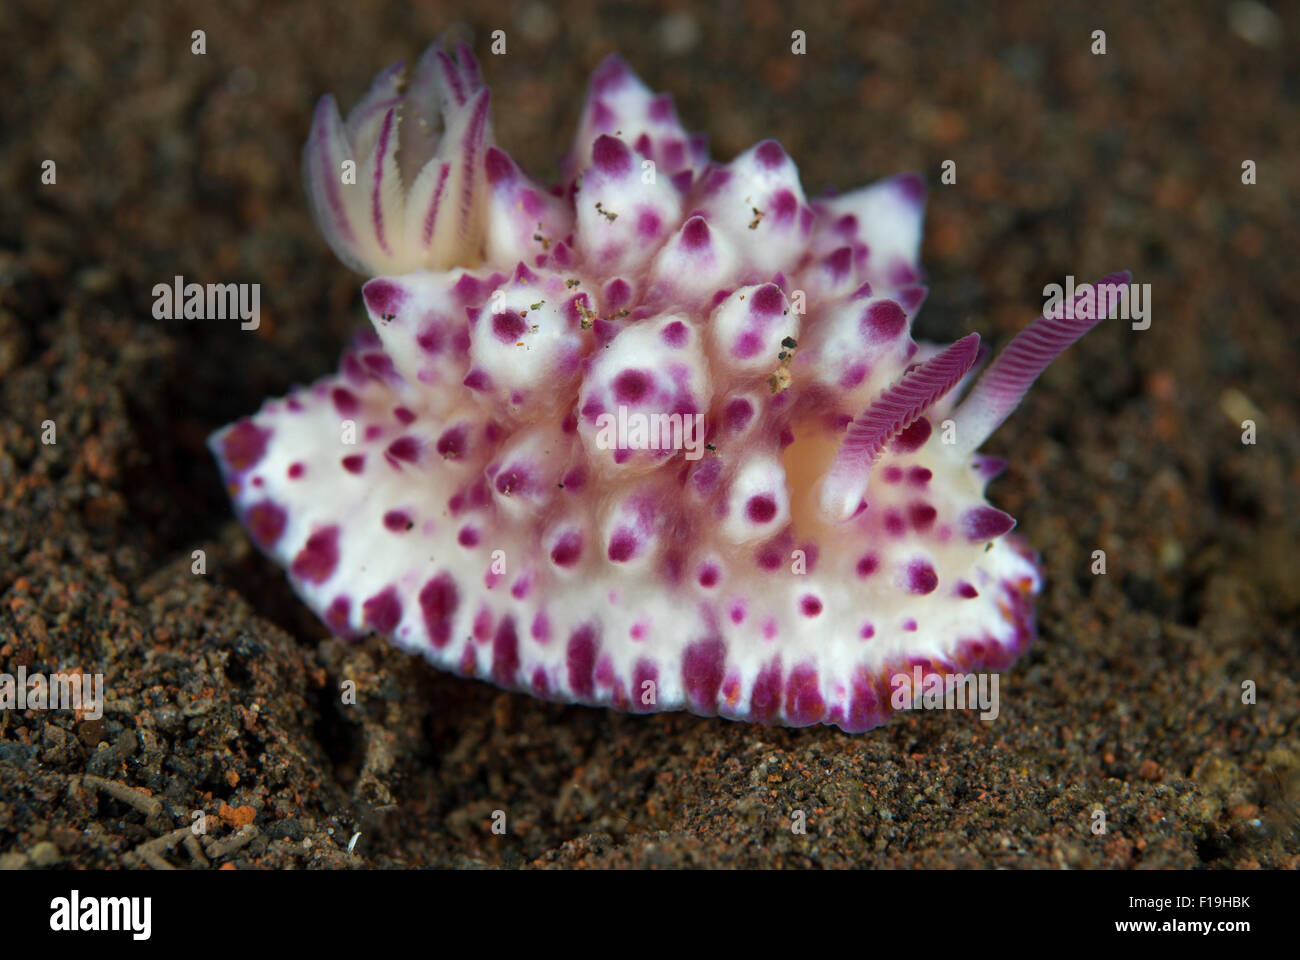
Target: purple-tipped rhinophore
[(894, 411), (608, 441), (1005, 383)]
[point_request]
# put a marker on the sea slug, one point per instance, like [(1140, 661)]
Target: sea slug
[(655, 438)]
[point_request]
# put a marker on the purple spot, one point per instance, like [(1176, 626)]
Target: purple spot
[(966, 591), (985, 523), (919, 476), (508, 326), (853, 376), (989, 467), (354, 462), (353, 370), (470, 289), (768, 301), (865, 707), (383, 611), (622, 546), (921, 577), (839, 263), (913, 437), (810, 606), (384, 298), (337, 616), (894, 524), (747, 345), (695, 235), (468, 537), (611, 156), (540, 685), (610, 75), (541, 628), (404, 448), (580, 658), (513, 480), (631, 386), (403, 415), (265, 522), (397, 521), (803, 698), (317, 559), (345, 401), (702, 667), (901, 273), (452, 443), (648, 225), (761, 508), (922, 516), (602, 118), (431, 338), (645, 672), (477, 380), (911, 187), (909, 625), (868, 631), (769, 154), (765, 697), (704, 477), (784, 206), (709, 575), (912, 297), (737, 414), (661, 108), (893, 474), (884, 320), (675, 334), (505, 653), (567, 549), (244, 445), (618, 292), (439, 599)]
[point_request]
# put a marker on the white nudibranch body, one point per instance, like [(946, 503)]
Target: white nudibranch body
[(455, 485)]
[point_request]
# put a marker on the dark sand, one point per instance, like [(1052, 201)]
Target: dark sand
[(223, 687)]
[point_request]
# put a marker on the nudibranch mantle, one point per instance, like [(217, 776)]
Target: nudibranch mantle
[(458, 485)]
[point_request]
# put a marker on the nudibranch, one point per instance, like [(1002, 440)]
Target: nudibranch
[(655, 438)]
